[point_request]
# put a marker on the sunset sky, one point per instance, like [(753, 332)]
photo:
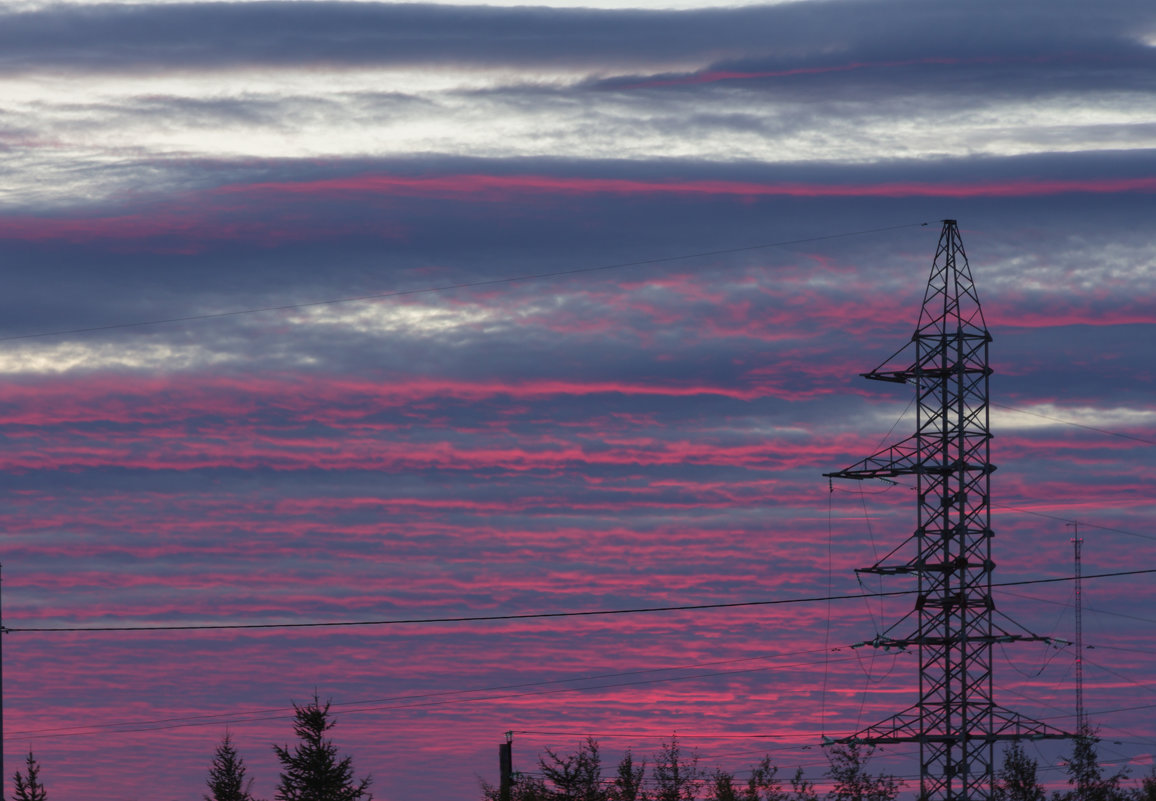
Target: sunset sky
[(726, 201)]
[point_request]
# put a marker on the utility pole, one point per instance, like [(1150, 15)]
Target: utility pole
[(506, 767), (955, 719)]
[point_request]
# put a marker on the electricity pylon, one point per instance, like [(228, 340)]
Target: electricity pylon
[(953, 625)]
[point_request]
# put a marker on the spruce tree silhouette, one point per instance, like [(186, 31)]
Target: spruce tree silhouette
[(312, 770), (29, 788), (227, 775)]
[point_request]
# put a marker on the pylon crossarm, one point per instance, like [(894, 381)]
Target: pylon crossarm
[(1011, 725), (884, 639), (919, 564), (880, 568), (901, 459), (910, 374), (886, 372), (905, 727), (902, 643), (1004, 637), (890, 376), (1027, 634), (902, 727), (884, 642)]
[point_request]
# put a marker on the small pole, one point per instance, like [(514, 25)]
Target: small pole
[(506, 767)]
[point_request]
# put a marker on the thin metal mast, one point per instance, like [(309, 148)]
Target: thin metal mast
[(3, 631), (955, 720), (1077, 544)]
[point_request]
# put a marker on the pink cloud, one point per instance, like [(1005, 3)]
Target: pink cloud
[(228, 214), (499, 186), (716, 76)]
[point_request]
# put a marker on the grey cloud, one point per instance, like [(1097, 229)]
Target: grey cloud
[(224, 35), (252, 110), (257, 110), (521, 235)]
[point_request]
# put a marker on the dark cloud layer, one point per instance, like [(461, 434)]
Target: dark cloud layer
[(258, 238), (800, 34)]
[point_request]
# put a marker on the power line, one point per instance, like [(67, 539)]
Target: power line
[(361, 706), (1116, 709), (441, 693), (1077, 425), (1083, 523), (1059, 518), (1150, 686), (1060, 420), (1101, 647), (355, 707), (681, 735), (534, 615), (1068, 605), (461, 285)]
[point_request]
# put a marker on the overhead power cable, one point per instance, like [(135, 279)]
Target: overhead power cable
[(1060, 420), (1150, 686), (536, 615), (1082, 523), (510, 279), (1069, 605), (681, 735), (339, 705), (242, 718), (1075, 424), (462, 696), (1102, 647)]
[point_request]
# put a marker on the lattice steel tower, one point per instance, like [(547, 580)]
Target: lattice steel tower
[(953, 625)]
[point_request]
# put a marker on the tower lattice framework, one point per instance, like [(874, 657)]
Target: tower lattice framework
[(954, 624)]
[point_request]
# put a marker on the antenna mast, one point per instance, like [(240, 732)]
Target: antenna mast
[(955, 720), (1077, 544)]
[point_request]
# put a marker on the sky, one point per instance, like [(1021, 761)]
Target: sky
[(271, 353)]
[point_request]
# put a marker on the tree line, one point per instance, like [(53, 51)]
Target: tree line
[(674, 775), (313, 770)]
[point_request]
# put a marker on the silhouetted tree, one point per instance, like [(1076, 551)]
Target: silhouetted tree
[(526, 788), (227, 774), (852, 781), (312, 771), (28, 787), (573, 777), (1017, 777), (675, 778), (627, 785), (1147, 789), (1086, 775), (576, 777), (721, 787), (764, 784), (801, 789)]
